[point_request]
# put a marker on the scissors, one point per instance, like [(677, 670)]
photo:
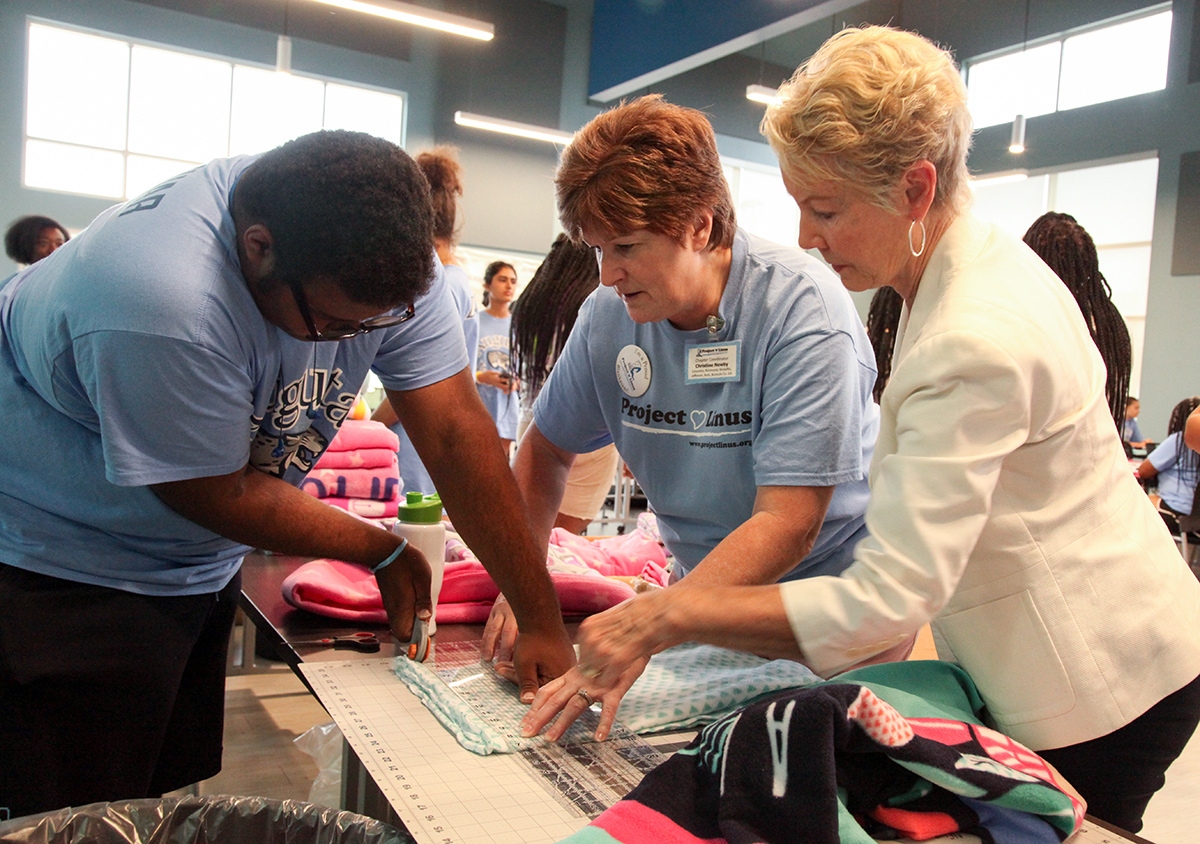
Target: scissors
[(365, 642), (418, 645)]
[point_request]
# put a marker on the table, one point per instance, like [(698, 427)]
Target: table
[(364, 676), (280, 624)]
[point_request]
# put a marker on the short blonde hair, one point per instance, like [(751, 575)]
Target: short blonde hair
[(647, 164), (867, 106)]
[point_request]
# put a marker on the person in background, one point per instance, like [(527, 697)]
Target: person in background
[(1069, 250), (542, 320), (444, 175), (1130, 432), (1002, 506), (31, 238), (1174, 465), (733, 374), (1191, 431), (498, 387), (171, 375)]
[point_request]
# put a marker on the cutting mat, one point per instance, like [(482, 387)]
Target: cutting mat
[(447, 795)]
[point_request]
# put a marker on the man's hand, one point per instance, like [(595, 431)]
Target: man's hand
[(456, 440), (404, 584)]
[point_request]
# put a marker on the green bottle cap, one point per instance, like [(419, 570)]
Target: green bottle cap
[(420, 508)]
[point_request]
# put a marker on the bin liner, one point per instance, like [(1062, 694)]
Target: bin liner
[(216, 819)]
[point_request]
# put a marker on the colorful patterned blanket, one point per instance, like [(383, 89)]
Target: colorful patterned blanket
[(883, 752)]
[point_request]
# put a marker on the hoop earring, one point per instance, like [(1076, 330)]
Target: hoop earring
[(916, 253)]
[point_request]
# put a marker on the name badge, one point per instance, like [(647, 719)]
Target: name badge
[(714, 362)]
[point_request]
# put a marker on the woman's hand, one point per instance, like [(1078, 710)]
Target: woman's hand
[(571, 694), (494, 378), (500, 634), (611, 641)]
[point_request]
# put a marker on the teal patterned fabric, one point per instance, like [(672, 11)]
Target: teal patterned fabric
[(692, 684), (682, 687)]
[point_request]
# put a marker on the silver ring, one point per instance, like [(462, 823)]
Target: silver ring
[(590, 700)]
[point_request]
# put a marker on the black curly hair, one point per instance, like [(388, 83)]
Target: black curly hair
[(545, 312), (345, 206), (22, 235), (1069, 250), (883, 319), (1185, 457)]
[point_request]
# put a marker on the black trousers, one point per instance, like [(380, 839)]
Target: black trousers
[(107, 695), (1117, 774)]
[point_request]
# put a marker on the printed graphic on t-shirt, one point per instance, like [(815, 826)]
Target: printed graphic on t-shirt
[(703, 423), (283, 437)]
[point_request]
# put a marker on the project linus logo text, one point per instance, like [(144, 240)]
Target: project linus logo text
[(696, 418)]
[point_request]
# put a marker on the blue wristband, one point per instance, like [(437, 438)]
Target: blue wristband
[(392, 556)]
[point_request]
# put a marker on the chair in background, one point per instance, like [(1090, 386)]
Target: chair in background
[(618, 507)]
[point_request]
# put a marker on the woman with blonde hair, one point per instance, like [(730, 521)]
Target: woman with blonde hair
[(1002, 506)]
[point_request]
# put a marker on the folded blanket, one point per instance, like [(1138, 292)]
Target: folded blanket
[(379, 484), (363, 433), (626, 555), (349, 591), (884, 751), (362, 458), (364, 507)]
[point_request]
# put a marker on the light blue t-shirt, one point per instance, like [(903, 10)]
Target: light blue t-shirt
[(1176, 481), (1130, 432), (137, 357), (798, 412), (492, 355), (413, 473)]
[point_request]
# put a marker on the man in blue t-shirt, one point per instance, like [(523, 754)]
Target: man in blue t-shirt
[(733, 374), (167, 387)]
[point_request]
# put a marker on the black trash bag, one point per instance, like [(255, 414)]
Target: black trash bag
[(217, 819)]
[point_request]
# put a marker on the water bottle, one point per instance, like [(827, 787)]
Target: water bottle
[(419, 520)]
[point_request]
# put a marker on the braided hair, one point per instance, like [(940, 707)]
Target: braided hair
[(882, 321), (1185, 458), (1068, 249), (545, 312)]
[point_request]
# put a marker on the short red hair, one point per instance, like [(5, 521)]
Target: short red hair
[(645, 165)]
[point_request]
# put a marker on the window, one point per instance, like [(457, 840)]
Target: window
[(1115, 203), (761, 202), (111, 117), (1072, 70)]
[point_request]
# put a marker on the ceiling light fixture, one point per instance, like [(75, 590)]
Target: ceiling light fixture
[(763, 94), (1016, 143), (512, 127), (283, 55), (998, 178), (419, 16)]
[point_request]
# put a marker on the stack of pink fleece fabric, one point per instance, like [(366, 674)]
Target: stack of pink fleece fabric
[(582, 571), (359, 472)]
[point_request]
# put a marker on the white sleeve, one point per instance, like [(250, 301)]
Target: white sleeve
[(961, 404)]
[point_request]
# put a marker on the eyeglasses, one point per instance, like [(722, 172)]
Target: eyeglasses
[(342, 331)]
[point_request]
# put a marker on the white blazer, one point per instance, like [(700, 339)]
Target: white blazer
[(1004, 510)]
